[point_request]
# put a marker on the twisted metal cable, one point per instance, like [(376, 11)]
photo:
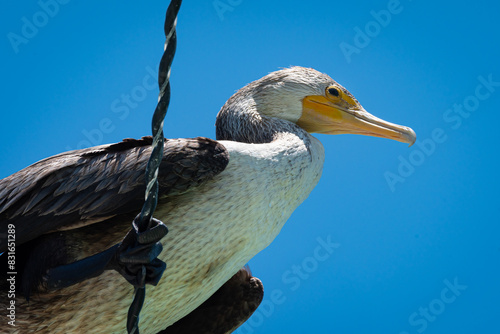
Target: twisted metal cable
[(151, 196)]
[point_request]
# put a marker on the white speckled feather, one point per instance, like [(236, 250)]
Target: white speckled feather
[(230, 219)]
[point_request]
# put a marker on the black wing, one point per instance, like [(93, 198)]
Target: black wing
[(83, 187)]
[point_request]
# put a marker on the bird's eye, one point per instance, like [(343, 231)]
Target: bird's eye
[(333, 91)]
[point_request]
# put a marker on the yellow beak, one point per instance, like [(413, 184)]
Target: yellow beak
[(323, 115)]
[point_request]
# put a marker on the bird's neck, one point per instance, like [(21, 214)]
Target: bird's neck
[(251, 127)]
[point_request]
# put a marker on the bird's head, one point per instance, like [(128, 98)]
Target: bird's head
[(311, 100)]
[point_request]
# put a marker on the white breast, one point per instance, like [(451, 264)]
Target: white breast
[(216, 229)]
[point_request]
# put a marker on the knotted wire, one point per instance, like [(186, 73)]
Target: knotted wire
[(151, 196)]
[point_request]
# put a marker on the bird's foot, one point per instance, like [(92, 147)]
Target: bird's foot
[(138, 250), (136, 253)]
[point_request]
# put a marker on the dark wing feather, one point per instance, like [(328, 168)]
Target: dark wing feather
[(226, 310), (87, 186)]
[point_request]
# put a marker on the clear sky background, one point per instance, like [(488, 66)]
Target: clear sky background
[(413, 233)]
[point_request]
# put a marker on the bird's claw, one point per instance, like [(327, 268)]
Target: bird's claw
[(138, 254), (156, 231)]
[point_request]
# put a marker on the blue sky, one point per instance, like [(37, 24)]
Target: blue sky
[(393, 239)]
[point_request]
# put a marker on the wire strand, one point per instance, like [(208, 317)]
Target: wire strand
[(151, 195)]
